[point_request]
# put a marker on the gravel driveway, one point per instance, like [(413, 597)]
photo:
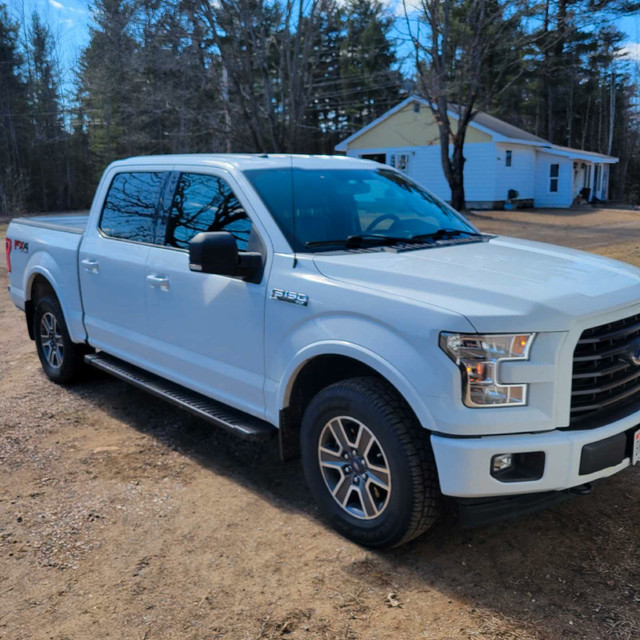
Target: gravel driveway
[(122, 517)]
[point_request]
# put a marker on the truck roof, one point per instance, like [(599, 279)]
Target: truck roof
[(251, 161)]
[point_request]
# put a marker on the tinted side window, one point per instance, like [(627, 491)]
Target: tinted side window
[(130, 206), (205, 203)]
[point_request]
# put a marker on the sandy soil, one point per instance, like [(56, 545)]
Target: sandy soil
[(122, 517)]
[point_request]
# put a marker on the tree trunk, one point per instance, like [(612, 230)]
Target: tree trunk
[(456, 183)]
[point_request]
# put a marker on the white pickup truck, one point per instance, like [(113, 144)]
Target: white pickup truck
[(404, 354)]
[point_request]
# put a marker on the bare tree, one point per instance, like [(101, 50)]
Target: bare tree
[(268, 50), (467, 52)]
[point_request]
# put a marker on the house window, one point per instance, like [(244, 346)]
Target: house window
[(376, 157), (507, 158), (554, 173), (402, 161)]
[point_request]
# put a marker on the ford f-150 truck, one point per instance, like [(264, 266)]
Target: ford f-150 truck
[(405, 355)]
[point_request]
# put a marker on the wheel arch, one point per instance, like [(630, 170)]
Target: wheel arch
[(322, 365), (45, 274), (39, 284)]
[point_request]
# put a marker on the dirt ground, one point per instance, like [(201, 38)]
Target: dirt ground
[(122, 517)]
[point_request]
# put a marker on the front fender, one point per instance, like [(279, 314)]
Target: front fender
[(363, 355)]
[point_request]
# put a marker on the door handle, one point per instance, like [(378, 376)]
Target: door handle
[(162, 282), (91, 265)]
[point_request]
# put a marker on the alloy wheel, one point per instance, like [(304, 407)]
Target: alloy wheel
[(51, 340), (354, 467)]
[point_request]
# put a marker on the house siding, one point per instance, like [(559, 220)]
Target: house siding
[(542, 196), (425, 167), (519, 176), (411, 128)]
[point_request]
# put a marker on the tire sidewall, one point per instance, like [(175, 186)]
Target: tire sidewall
[(391, 525)]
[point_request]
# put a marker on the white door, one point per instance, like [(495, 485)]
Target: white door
[(113, 266), (208, 330)]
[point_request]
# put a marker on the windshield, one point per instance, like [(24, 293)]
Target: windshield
[(320, 209)]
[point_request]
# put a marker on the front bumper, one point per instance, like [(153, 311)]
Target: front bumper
[(464, 464)]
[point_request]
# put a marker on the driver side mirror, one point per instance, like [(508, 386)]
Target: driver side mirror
[(217, 252)]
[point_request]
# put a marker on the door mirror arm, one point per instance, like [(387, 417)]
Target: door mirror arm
[(249, 266)]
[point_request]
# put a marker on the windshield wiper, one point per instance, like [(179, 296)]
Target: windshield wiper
[(445, 233), (372, 239), (356, 241)]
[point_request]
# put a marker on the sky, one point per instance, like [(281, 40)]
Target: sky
[(69, 21)]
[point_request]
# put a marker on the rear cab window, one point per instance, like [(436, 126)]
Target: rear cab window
[(129, 210)]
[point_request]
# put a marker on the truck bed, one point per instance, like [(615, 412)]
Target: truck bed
[(70, 222), (49, 243)]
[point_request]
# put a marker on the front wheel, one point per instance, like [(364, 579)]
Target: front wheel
[(369, 464), (61, 359)]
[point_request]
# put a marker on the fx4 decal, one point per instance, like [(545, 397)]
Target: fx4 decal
[(19, 245)]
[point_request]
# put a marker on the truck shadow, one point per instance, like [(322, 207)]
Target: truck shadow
[(571, 571)]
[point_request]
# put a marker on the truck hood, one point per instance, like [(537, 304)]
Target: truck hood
[(504, 284)]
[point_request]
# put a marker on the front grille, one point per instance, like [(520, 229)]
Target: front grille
[(605, 386)]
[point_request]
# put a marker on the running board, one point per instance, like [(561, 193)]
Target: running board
[(220, 414)]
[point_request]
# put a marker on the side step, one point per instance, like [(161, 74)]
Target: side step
[(220, 414)]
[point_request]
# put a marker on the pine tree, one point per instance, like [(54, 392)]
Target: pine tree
[(49, 188), (107, 85), (14, 125)]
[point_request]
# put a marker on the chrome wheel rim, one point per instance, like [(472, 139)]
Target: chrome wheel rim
[(354, 467), (51, 340)]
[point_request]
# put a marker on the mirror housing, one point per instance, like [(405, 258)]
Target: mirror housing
[(217, 252)]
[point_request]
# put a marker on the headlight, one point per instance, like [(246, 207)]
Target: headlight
[(479, 358)]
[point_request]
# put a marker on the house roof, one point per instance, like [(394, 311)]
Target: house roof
[(579, 154), (505, 129), (499, 130)]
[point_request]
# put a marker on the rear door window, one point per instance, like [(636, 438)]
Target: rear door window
[(129, 211), (204, 203)]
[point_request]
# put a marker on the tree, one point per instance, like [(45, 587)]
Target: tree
[(371, 82), (269, 53), (13, 112), (106, 83), (356, 78), (467, 52), (47, 143)]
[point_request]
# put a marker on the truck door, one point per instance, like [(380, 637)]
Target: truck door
[(113, 260), (208, 330)]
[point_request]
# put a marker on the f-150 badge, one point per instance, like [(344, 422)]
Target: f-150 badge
[(290, 296)]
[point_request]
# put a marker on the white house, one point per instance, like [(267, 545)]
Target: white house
[(500, 159)]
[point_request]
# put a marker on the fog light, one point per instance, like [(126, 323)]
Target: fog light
[(518, 467), (501, 462)]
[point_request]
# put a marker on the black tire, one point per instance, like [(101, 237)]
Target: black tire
[(70, 361), (413, 500)]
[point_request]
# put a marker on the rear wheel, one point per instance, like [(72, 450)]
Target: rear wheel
[(369, 464), (61, 359)]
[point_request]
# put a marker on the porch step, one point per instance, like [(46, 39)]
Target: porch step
[(238, 422)]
